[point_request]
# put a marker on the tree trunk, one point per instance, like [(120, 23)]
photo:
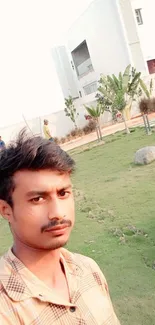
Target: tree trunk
[(148, 123), (75, 125), (127, 110), (99, 128), (126, 127), (97, 131), (145, 124)]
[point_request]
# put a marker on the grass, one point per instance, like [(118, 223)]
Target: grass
[(115, 221)]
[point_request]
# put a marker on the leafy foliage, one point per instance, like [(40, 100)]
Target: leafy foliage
[(147, 105), (70, 110), (119, 101), (113, 89), (147, 91), (117, 93), (94, 112)]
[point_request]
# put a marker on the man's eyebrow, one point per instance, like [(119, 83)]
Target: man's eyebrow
[(33, 193), (66, 187), (37, 192)]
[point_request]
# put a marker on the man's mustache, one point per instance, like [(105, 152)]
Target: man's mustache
[(56, 222)]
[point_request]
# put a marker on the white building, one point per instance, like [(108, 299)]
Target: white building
[(104, 39), (144, 11)]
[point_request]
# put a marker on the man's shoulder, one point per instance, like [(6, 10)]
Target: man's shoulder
[(81, 261), (3, 277)]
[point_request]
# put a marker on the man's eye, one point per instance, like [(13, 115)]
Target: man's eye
[(37, 199), (63, 193)]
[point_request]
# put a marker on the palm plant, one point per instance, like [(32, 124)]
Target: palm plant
[(95, 113), (147, 90)]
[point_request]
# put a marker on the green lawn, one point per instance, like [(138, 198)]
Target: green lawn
[(115, 222)]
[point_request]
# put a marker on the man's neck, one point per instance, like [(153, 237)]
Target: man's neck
[(45, 264)]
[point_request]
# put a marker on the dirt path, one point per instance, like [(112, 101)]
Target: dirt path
[(105, 131)]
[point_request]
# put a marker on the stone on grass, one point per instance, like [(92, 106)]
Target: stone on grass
[(145, 155)]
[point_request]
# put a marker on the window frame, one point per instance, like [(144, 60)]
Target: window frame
[(139, 17)]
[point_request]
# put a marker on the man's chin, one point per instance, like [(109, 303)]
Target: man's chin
[(56, 244)]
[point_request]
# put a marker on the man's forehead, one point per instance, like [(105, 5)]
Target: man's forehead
[(43, 178)]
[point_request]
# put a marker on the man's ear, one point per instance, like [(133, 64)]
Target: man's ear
[(5, 210)]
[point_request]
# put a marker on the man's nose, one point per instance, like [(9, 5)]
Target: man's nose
[(55, 210)]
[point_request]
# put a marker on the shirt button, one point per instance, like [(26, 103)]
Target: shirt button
[(72, 309)]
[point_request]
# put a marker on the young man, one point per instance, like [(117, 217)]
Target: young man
[(46, 130), (41, 283)]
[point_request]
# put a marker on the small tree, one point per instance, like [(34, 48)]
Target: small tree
[(95, 113), (70, 110), (119, 92), (127, 83), (146, 104), (120, 103)]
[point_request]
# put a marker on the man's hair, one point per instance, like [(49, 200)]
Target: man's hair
[(30, 153)]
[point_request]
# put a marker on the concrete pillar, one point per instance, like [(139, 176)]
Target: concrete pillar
[(131, 32)]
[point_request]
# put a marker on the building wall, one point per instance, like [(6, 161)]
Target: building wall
[(59, 125), (132, 35), (146, 30), (65, 74), (100, 26)]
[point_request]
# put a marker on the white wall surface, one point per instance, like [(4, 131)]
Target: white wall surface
[(59, 125), (146, 31), (100, 26), (65, 72), (133, 39)]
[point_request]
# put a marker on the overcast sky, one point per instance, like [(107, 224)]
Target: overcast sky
[(28, 31)]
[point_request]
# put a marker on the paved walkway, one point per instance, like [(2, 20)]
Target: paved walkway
[(105, 131)]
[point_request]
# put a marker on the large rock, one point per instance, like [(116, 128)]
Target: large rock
[(145, 155)]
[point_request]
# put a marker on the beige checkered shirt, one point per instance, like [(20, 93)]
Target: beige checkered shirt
[(25, 300)]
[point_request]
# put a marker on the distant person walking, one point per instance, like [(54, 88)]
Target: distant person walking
[(2, 144), (47, 131)]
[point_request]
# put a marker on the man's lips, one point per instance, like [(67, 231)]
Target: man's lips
[(57, 228)]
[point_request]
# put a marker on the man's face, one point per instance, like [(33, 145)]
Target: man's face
[(43, 209)]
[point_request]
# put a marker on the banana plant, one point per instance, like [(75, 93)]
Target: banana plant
[(127, 83), (147, 91), (95, 113)]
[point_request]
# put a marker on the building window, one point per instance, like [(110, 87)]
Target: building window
[(80, 93), (139, 16), (151, 66), (91, 88), (82, 60)]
